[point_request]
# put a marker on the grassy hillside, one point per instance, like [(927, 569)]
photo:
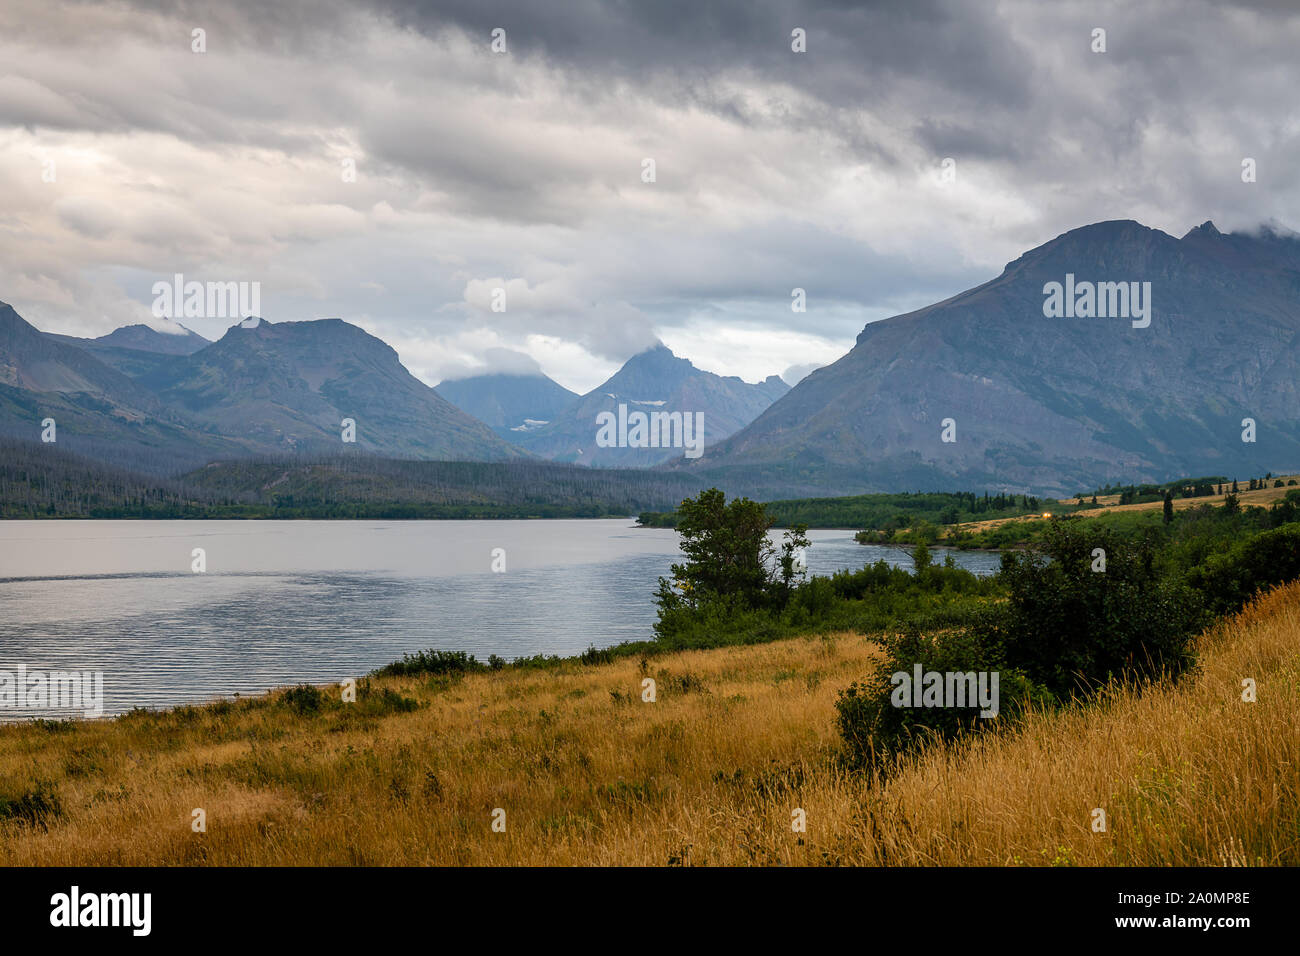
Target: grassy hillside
[(998, 533), (708, 774)]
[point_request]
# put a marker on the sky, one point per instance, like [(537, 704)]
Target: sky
[(383, 163)]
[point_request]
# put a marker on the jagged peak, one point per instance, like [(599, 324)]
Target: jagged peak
[(659, 353), (1206, 228)]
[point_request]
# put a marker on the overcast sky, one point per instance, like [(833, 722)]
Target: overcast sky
[(522, 170)]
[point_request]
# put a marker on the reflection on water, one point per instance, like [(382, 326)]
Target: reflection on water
[(286, 602)]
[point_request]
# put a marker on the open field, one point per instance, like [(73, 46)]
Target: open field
[(1262, 497), (710, 773)]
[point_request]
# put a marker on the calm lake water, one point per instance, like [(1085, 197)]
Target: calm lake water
[(283, 602)]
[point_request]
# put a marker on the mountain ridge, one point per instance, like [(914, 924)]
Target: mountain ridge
[(290, 385), (653, 380), (1050, 404)]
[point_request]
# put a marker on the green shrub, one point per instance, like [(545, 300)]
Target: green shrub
[(873, 724), (304, 700), (432, 661), (1229, 580), (382, 703), (716, 624), (597, 655), (1071, 628), (815, 597), (37, 806)]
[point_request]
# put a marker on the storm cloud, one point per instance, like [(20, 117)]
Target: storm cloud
[(909, 153)]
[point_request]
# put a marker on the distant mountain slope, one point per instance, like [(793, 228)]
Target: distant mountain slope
[(133, 363), (97, 410), (145, 339), (289, 385), (142, 338), (652, 381), (136, 350), (1055, 404), (508, 403)]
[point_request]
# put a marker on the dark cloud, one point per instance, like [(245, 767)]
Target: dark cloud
[(774, 169)]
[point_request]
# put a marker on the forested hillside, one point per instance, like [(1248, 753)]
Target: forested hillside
[(43, 481)]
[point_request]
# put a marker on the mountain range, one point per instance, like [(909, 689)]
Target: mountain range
[(653, 381), (1056, 404), (288, 386), (1112, 353), (166, 402), (509, 403), (263, 388), (98, 410)]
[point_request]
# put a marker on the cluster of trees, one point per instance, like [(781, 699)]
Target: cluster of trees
[(883, 512), (731, 566), (40, 481), (1183, 488), (1268, 481), (523, 487)]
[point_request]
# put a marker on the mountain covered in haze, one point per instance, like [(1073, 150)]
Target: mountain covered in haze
[(143, 338), (288, 386), (97, 409), (263, 388), (509, 403), (653, 381), (136, 350), (1061, 403), (1112, 353)]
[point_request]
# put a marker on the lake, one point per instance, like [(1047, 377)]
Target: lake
[(284, 602)]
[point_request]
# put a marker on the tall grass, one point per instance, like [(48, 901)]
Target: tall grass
[(739, 736)]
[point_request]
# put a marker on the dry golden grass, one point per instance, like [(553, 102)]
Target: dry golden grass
[(1260, 497), (708, 774)]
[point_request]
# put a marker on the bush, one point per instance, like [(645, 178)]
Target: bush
[(1071, 628), (432, 661), (384, 702), (303, 700), (815, 597), (716, 624), (38, 806), (920, 557), (597, 655), (873, 723), (1229, 580), (1067, 627)]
